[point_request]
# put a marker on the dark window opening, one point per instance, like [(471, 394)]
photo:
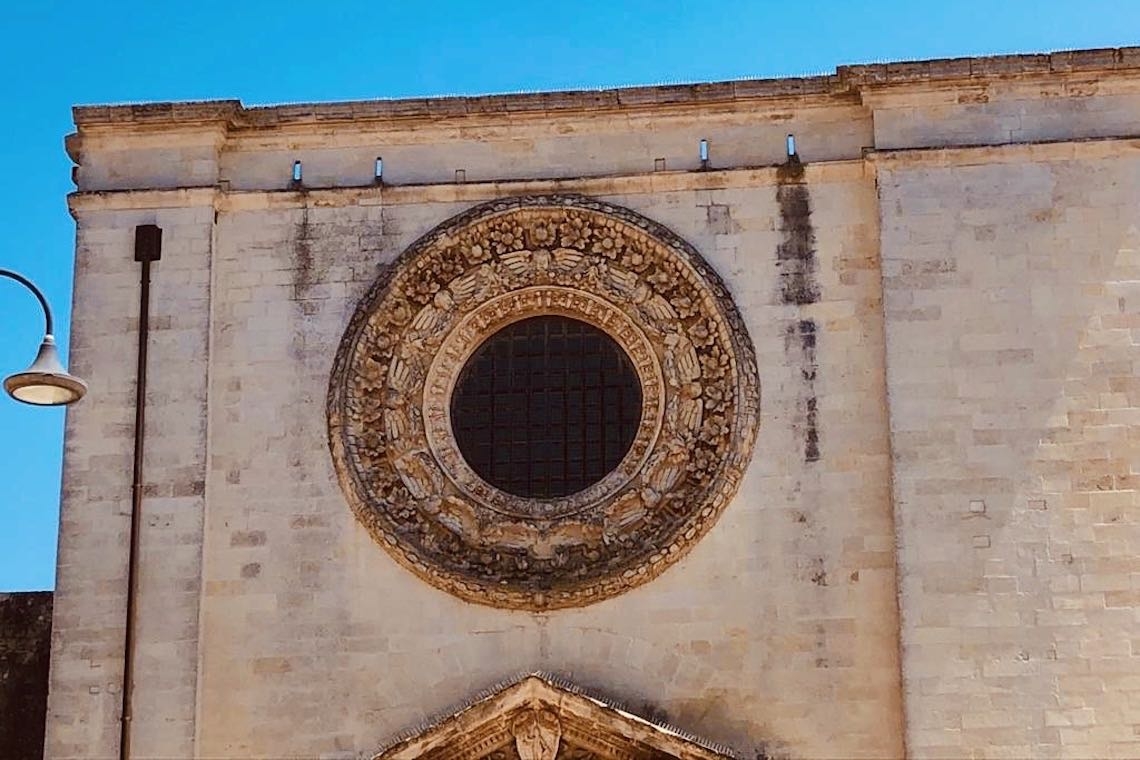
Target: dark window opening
[(546, 407)]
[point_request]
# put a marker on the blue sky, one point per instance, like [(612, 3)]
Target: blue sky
[(56, 54)]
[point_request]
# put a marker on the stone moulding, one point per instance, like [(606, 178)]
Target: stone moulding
[(845, 80), (539, 717), (390, 430)]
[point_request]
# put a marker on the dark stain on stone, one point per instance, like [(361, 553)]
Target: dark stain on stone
[(771, 750), (310, 255), (800, 338), (303, 256), (654, 713), (814, 569), (247, 538), (795, 255), (811, 432), (791, 170)]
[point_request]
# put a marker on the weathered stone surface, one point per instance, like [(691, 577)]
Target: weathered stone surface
[(25, 642)]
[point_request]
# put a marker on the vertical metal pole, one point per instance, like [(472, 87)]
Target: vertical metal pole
[(148, 248)]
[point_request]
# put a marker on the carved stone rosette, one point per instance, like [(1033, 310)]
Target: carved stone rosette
[(389, 402)]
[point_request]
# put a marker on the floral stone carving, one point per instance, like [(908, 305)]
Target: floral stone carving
[(389, 412)]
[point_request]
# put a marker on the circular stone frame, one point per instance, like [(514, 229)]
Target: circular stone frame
[(390, 431), (486, 320)]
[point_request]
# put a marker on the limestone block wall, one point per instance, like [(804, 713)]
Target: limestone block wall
[(1012, 281), (549, 146), (995, 112), (499, 146), (777, 632), (87, 635), (113, 161)]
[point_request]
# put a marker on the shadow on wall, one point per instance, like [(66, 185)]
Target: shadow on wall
[(25, 643)]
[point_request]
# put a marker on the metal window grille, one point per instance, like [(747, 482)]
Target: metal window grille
[(546, 407)]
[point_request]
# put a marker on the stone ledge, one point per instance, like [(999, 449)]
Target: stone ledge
[(845, 80), (450, 192)]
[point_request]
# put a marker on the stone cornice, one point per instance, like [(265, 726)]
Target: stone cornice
[(449, 192), (846, 83), (474, 192)]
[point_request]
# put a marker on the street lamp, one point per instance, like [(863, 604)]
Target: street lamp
[(47, 382)]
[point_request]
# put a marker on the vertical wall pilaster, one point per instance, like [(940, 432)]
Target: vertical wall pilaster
[(89, 627)]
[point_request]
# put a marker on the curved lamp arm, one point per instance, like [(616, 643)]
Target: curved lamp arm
[(36, 292), (46, 382)]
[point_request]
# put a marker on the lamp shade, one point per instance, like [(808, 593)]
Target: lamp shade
[(46, 382)]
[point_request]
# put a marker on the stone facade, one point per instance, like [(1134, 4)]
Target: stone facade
[(931, 553)]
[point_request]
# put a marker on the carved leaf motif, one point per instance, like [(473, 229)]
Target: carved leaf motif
[(429, 323), (519, 263), (567, 260), (652, 305), (419, 474), (397, 422), (403, 377)]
